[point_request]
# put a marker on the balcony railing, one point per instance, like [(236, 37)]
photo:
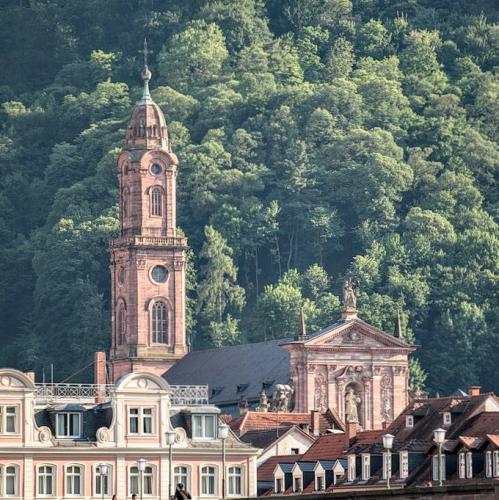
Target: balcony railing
[(180, 395), (150, 241)]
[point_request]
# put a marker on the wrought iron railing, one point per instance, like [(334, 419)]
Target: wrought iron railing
[(180, 395), (48, 393)]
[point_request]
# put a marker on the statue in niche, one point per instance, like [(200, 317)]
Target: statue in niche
[(352, 402), (350, 294)]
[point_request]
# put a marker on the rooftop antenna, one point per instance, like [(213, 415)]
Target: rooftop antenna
[(51, 373), (43, 375)]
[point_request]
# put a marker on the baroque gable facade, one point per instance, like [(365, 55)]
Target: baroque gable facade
[(351, 356)]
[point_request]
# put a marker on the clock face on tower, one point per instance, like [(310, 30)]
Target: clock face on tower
[(159, 274)]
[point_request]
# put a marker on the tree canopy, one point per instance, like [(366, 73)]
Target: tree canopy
[(316, 139)]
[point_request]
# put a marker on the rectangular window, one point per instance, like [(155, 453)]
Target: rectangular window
[(488, 464), (295, 451), (462, 465), (11, 480), (279, 485), (435, 467), (297, 484), (141, 421), (203, 426), (387, 464), (46, 480), (104, 481), (74, 480), (447, 418), (147, 481), (469, 465), (409, 421), (9, 419), (404, 464), (208, 481), (68, 425), (235, 481), (496, 463), (366, 467), (351, 468), (319, 483), (181, 475)]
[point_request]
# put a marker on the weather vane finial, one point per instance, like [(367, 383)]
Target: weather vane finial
[(146, 74)]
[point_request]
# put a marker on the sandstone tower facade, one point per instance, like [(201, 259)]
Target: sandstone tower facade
[(148, 258)]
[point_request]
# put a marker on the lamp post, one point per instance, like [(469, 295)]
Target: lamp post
[(388, 445), (103, 471), (223, 432), (141, 465), (170, 440), (439, 438)]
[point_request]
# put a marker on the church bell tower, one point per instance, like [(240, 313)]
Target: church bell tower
[(148, 258)]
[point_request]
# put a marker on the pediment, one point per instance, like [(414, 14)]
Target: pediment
[(355, 334), (142, 382)]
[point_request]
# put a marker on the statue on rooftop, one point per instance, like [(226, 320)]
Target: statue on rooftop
[(350, 294)]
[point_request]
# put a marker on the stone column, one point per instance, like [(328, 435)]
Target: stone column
[(164, 478), (27, 480), (121, 479), (367, 405), (376, 398)]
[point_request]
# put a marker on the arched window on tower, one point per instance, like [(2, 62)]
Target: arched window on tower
[(121, 325), (124, 202), (156, 201), (159, 323)]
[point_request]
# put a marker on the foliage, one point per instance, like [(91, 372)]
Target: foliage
[(316, 138)]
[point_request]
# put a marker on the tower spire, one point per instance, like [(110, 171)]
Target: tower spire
[(146, 75)]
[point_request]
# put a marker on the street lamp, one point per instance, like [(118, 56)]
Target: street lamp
[(170, 440), (439, 438), (103, 471), (141, 465), (223, 432), (388, 445)]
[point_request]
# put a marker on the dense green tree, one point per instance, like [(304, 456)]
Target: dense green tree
[(319, 138)]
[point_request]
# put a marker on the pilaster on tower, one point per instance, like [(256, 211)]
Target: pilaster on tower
[(148, 258)]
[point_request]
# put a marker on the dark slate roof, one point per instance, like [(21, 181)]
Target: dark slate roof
[(262, 439), (234, 372), (306, 466)]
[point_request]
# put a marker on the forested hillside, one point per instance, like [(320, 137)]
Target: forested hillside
[(316, 139)]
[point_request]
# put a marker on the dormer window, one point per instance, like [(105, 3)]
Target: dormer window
[(409, 421), (447, 416), (404, 464), (279, 485), (495, 464), (319, 483), (488, 463), (68, 425), (351, 468), (297, 484), (204, 426), (140, 420), (366, 466)]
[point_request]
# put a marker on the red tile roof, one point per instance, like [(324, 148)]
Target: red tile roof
[(494, 438), (266, 470), (254, 420), (327, 447)]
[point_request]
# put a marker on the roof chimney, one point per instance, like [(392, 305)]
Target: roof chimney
[(397, 330), (243, 406), (315, 420), (475, 390), (100, 375), (351, 431)]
